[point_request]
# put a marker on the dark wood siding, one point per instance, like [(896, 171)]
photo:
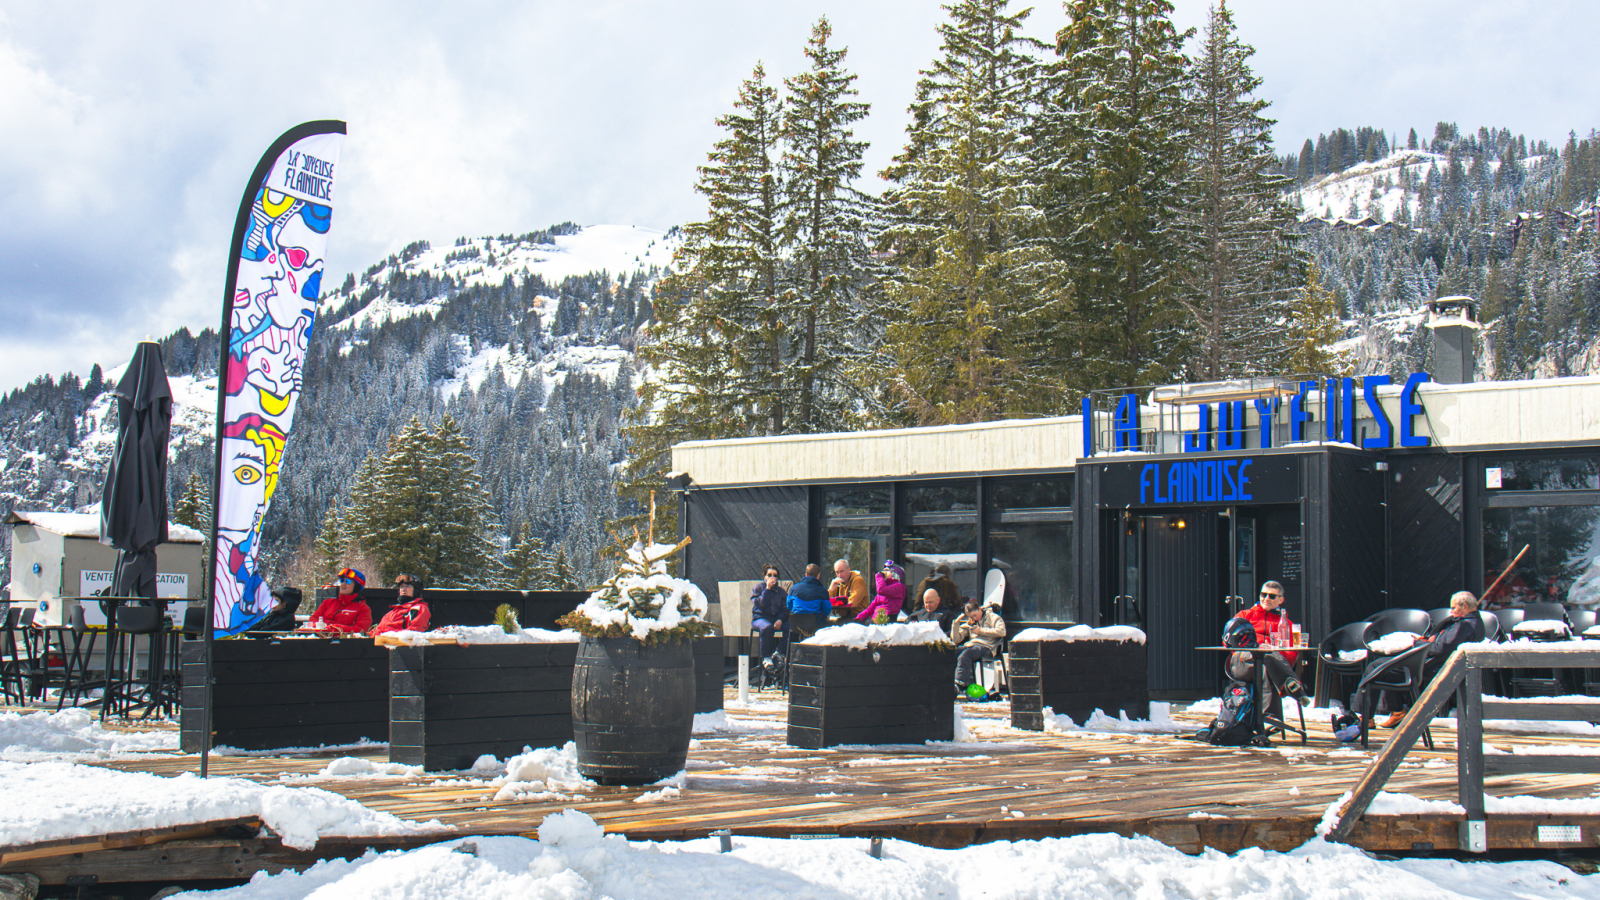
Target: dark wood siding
[(1425, 527), (1357, 586), (736, 531)]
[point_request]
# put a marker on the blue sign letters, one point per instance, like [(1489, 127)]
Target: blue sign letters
[(1195, 481)]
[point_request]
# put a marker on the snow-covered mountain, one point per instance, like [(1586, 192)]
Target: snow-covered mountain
[(423, 332)]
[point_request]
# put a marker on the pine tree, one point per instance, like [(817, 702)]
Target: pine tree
[(1313, 327), (825, 228), (427, 512), (1112, 144), (1245, 269), (526, 566), (975, 308)]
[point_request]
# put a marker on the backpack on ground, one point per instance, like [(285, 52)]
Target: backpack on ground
[(1234, 725)]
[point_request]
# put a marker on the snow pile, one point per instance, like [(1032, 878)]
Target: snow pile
[(895, 634), (1160, 722), (353, 767), (1541, 626), (538, 774), (642, 599), (1398, 642), (51, 801), (719, 722), (1082, 633), (574, 859), (467, 635), (36, 735)]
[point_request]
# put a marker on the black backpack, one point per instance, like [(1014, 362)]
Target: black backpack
[(1234, 725)]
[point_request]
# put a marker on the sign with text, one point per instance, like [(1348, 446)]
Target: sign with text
[(1201, 482), (97, 583)]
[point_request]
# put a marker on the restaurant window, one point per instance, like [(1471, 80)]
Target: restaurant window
[(955, 545), (1562, 564), (1030, 539), (855, 527), (1511, 474)]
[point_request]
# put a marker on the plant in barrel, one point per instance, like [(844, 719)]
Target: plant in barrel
[(633, 683)]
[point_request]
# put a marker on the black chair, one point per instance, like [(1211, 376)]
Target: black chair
[(775, 674), (1532, 611), (1435, 616), (15, 659), (1582, 620), (124, 689), (1491, 625), (35, 673), (1348, 639), (1393, 621), (1509, 618), (1401, 673), (75, 680), (194, 623)]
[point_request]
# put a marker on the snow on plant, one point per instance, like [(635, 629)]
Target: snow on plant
[(643, 600)]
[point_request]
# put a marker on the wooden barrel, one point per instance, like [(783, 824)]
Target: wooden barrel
[(632, 709)]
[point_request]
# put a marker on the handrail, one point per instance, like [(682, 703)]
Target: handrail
[(1463, 672)]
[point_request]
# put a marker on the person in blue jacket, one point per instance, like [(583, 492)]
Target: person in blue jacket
[(808, 597)]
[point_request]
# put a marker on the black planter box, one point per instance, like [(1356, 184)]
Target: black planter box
[(1075, 678), (293, 692), (890, 695), (709, 662), (449, 705)]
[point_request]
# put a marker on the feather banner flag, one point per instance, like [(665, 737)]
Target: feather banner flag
[(274, 282)]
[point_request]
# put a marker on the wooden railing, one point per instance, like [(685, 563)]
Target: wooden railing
[(1463, 675)]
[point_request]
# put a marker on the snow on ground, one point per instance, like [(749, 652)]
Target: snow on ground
[(719, 722), (574, 860), (1160, 722), (46, 801), (73, 734)]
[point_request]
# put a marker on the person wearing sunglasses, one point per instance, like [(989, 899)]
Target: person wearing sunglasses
[(1273, 627), (409, 612), (345, 612)]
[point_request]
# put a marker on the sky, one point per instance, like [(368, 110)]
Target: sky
[(130, 129)]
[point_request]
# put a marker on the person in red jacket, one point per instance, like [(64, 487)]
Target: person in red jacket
[(1273, 627), (409, 612), (344, 612)]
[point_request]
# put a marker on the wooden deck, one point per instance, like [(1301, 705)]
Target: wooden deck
[(1006, 785)]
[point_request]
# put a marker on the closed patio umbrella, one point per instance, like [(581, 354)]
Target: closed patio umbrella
[(133, 509)]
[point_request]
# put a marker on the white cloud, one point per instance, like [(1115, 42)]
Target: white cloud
[(131, 127)]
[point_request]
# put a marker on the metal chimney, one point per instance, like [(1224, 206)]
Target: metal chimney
[(1454, 322)]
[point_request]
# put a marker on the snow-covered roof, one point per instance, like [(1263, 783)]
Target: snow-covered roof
[(87, 525)]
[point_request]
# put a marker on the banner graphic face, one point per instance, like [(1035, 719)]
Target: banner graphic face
[(274, 303)]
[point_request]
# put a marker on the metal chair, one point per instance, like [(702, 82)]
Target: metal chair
[(15, 659), (124, 690), (1347, 639), (1401, 673), (75, 678)]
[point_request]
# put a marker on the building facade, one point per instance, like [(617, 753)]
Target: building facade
[(1167, 507)]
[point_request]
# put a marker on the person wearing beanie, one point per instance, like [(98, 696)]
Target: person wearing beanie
[(409, 612), (891, 596), (286, 600), (345, 612)]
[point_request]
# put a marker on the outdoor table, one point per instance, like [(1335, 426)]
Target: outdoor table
[(1263, 686)]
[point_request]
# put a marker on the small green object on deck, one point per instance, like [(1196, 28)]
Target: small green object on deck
[(977, 692)]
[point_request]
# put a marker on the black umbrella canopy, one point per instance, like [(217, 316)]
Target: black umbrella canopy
[(133, 509)]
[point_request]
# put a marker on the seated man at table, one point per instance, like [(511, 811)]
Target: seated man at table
[(1273, 627), (977, 635), (934, 610), (345, 612), (286, 600), (1463, 626)]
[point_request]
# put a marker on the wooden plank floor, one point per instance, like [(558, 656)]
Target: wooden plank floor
[(1009, 784)]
